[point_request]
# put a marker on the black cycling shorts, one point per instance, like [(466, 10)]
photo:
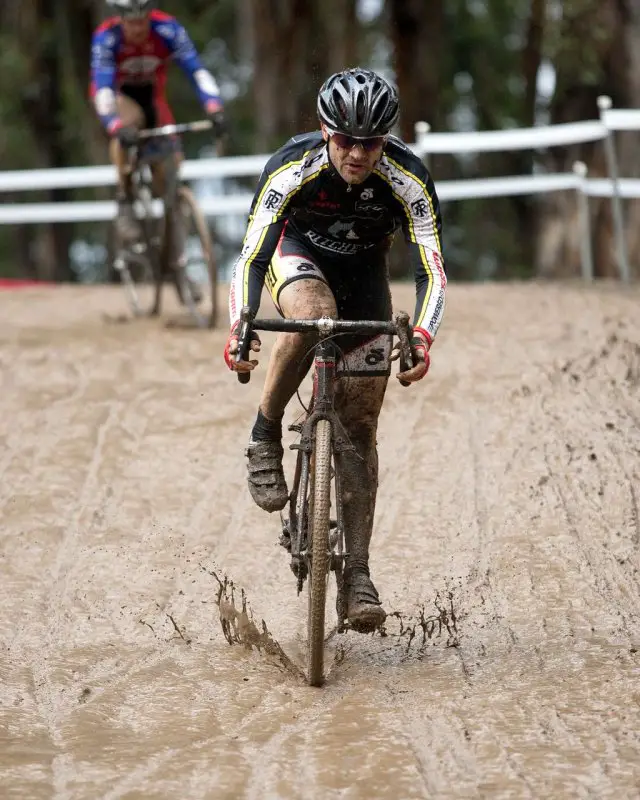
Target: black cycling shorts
[(360, 286)]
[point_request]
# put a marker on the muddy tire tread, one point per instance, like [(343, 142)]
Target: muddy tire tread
[(319, 523)]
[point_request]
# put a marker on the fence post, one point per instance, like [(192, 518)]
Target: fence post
[(604, 104), (421, 129), (586, 257)]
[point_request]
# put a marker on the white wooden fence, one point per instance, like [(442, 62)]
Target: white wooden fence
[(426, 144)]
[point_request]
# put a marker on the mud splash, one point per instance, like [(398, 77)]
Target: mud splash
[(430, 624), (240, 627), (419, 629)]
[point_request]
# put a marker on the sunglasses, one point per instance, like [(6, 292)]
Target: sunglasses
[(345, 142)]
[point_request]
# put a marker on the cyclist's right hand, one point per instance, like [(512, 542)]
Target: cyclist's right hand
[(231, 349), (127, 135)]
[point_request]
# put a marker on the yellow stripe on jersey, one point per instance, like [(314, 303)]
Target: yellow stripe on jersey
[(401, 200), (295, 189), (313, 175), (423, 186), (275, 217), (245, 277), (277, 172), (421, 248), (427, 295)]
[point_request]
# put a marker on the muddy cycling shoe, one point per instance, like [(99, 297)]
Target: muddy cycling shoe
[(364, 610), (127, 225), (266, 476)]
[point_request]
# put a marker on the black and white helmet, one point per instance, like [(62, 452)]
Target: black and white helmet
[(358, 102), (131, 8)]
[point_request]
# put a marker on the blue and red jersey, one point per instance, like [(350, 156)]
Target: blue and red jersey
[(116, 63)]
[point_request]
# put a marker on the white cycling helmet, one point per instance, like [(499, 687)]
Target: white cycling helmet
[(131, 8)]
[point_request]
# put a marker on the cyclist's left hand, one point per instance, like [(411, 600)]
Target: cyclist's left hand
[(421, 343)]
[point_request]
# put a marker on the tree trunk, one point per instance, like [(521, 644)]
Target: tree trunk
[(340, 25), (418, 36), (531, 59), (43, 108), (297, 46), (522, 161), (514, 219), (280, 36), (598, 54)]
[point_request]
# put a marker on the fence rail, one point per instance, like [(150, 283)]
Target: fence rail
[(611, 120)]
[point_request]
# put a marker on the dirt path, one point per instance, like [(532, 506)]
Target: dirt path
[(510, 487)]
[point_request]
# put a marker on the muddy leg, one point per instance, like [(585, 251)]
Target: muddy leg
[(131, 115), (127, 225), (359, 402), (303, 299)]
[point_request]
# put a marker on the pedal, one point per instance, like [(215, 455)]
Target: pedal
[(300, 570), (285, 541), (285, 536)]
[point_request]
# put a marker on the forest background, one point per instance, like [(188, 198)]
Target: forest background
[(460, 65)]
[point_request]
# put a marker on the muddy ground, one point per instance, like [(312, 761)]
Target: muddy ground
[(510, 491)]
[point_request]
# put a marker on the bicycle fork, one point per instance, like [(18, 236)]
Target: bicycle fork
[(295, 536)]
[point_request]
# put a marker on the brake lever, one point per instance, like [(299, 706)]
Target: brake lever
[(244, 342), (407, 353)]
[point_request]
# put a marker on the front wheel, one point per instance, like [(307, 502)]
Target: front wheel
[(136, 262), (318, 543), (200, 255)]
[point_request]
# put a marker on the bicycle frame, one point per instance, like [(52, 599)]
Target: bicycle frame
[(322, 407), (141, 172), (315, 541), (159, 245)]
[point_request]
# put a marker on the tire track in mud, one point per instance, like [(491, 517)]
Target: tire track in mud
[(479, 496), (598, 481), (50, 703)]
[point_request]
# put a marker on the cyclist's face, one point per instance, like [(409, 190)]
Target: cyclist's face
[(353, 161), (136, 29)]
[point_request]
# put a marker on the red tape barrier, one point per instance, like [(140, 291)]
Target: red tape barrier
[(21, 283)]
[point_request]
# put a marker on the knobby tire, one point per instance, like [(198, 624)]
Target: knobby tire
[(140, 283), (319, 543), (190, 208)]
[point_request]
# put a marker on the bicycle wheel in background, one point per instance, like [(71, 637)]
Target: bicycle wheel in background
[(137, 262), (201, 268), (318, 542)]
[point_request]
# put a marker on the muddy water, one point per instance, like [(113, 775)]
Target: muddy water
[(510, 489)]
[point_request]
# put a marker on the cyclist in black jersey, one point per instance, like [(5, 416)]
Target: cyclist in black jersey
[(322, 221)]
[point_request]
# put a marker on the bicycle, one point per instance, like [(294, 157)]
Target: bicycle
[(144, 265), (316, 542)]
